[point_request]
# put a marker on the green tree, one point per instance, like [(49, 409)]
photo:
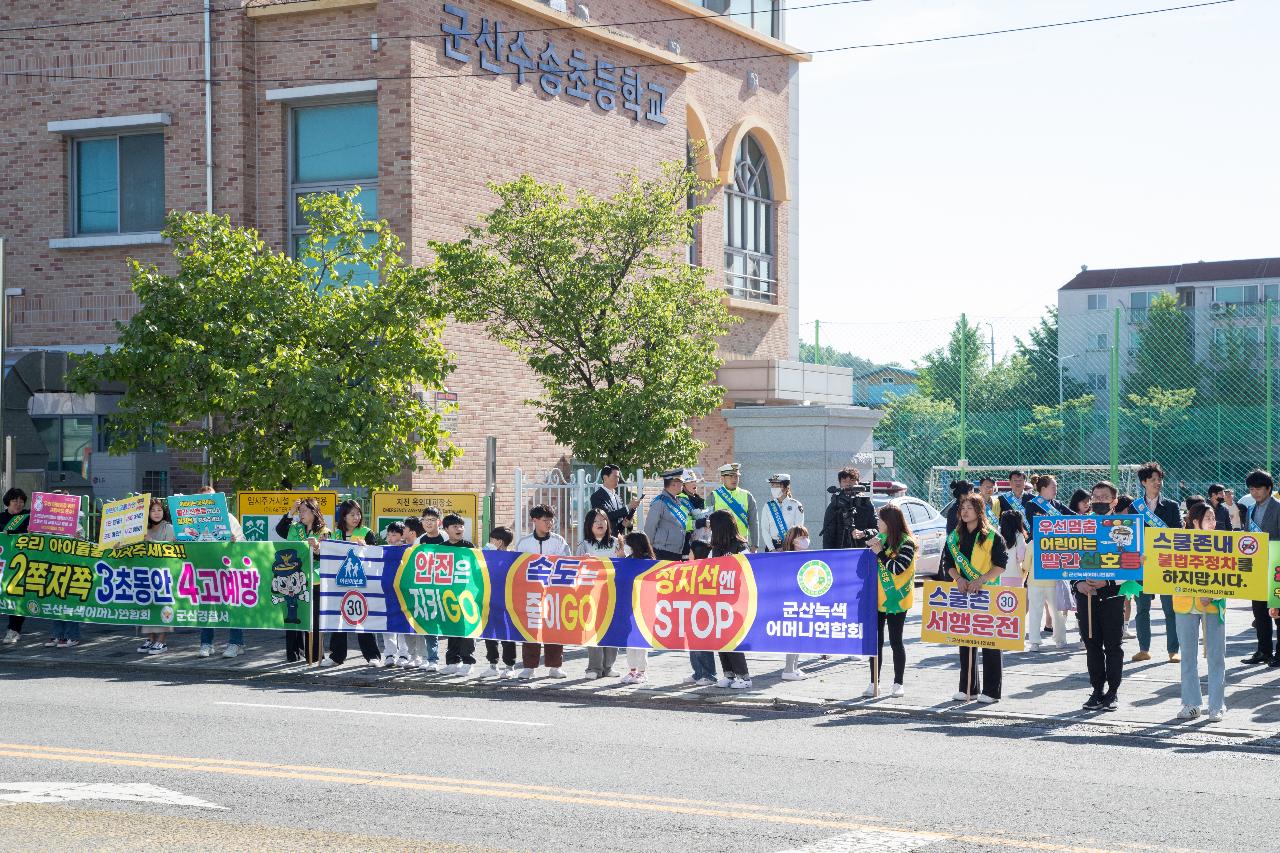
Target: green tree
[(1160, 411), (1058, 428), (258, 356), (836, 358), (1233, 375), (595, 295), (964, 355), (1166, 351), (1040, 351), (922, 432)]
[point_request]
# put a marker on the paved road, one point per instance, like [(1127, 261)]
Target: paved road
[(339, 768)]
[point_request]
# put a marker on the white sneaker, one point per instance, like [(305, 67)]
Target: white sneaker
[(328, 662), (206, 649), (1033, 647), (592, 675), (689, 679), (987, 700), (794, 675), (157, 648), (464, 670), (527, 673), (960, 696), (898, 691), (870, 691), (389, 660), (432, 666), (145, 647), (724, 682), (1218, 715), (740, 684), (1188, 713), (404, 661), (449, 669), (11, 637), (1129, 635), (233, 650), (491, 672), (415, 662), (629, 678), (557, 672), (706, 682), (509, 673), (639, 678)]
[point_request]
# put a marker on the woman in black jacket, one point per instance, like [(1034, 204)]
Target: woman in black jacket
[(726, 540), (895, 551), (975, 556)]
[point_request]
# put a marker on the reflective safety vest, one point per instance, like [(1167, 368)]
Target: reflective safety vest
[(743, 497), (905, 583)]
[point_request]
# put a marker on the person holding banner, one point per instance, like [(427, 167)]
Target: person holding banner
[(797, 539), (975, 556), (726, 539), (1156, 511), (781, 512), (159, 529), (638, 547), (667, 519), (736, 501), (235, 636), (543, 541), (395, 647), (1053, 595), (14, 520), (599, 541), (1192, 612), (895, 551), (304, 523), (1263, 518), (349, 520), (1100, 609)]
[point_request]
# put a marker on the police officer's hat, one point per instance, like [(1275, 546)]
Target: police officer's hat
[(731, 468), (684, 475), (781, 479)]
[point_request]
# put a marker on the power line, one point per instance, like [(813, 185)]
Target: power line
[(382, 37), (215, 10), (707, 61)]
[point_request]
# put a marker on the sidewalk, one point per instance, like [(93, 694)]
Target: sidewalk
[(1050, 684)]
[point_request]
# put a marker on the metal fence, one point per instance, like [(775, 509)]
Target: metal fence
[(1114, 381)]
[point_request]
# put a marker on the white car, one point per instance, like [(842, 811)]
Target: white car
[(927, 524)]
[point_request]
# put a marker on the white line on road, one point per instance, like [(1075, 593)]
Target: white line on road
[(380, 713), (65, 792), (870, 841)]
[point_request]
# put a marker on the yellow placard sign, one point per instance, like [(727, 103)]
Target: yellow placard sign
[(1205, 563), (993, 617), (395, 506), (124, 522), (259, 511)]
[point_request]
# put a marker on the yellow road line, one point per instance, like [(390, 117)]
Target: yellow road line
[(501, 790)]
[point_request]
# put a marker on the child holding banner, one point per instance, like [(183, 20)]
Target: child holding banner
[(598, 541), (304, 523), (159, 529), (975, 556), (349, 519), (797, 539), (1192, 612), (638, 547), (896, 576)]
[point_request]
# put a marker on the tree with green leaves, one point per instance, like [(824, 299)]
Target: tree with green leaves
[(595, 294), (1165, 357), (965, 355), (1040, 352), (921, 431), (833, 357), (1059, 429), (1160, 411), (258, 357)]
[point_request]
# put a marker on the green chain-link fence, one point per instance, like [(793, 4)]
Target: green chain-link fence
[(1105, 387)]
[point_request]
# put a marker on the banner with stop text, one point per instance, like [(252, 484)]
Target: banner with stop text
[(157, 584), (803, 602), (1207, 563)]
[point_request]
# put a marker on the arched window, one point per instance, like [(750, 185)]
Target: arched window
[(694, 256), (750, 261)]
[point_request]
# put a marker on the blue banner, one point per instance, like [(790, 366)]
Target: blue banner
[(815, 602), (1087, 547)]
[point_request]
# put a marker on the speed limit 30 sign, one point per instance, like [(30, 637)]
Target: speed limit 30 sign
[(354, 608)]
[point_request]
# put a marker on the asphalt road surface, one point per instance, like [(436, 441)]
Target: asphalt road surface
[(127, 761)]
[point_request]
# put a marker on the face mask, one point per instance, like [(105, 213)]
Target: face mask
[(776, 492), (626, 550), (802, 544), (489, 546)]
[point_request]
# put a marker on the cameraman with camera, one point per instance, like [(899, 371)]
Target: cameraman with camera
[(850, 520)]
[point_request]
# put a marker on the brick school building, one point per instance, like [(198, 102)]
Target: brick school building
[(424, 103)]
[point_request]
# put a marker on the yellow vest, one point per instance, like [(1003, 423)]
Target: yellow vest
[(981, 558), (741, 496), (1189, 603), (905, 581)]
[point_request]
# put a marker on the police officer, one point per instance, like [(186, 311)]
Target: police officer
[(666, 519), (695, 527), (781, 512), (739, 503)]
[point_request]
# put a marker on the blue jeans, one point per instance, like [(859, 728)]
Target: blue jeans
[(1144, 623), (704, 664), (66, 630), (433, 649), (1215, 634), (235, 636)]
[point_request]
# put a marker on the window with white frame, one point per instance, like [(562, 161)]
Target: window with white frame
[(1236, 294), (750, 264), (1096, 381), (1237, 335), (764, 16), (1098, 342), (1097, 301), (117, 184), (333, 148)]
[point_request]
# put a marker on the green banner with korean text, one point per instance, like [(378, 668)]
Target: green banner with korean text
[(163, 584)]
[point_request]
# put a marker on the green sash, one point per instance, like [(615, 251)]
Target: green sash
[(893, 594), (962, 562)]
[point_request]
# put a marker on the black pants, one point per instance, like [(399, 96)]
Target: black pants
[(368, 646), (15, 623), (508, 652), (1261, 625), (734, 663), (992, 671), (305, 645), (896, 622), (668, 555), (460, 650), (1103, 650)]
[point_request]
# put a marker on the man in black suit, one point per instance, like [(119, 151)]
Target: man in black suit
[(1217, 493), (1157, 511), (1264, 518), (607, 498)]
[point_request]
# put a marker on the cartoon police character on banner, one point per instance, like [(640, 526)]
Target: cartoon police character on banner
[(289, 584), (780, 513)]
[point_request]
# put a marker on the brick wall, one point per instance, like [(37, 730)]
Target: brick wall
[(441, 140)]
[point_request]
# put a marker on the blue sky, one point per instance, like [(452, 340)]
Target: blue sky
[(978, 175)]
